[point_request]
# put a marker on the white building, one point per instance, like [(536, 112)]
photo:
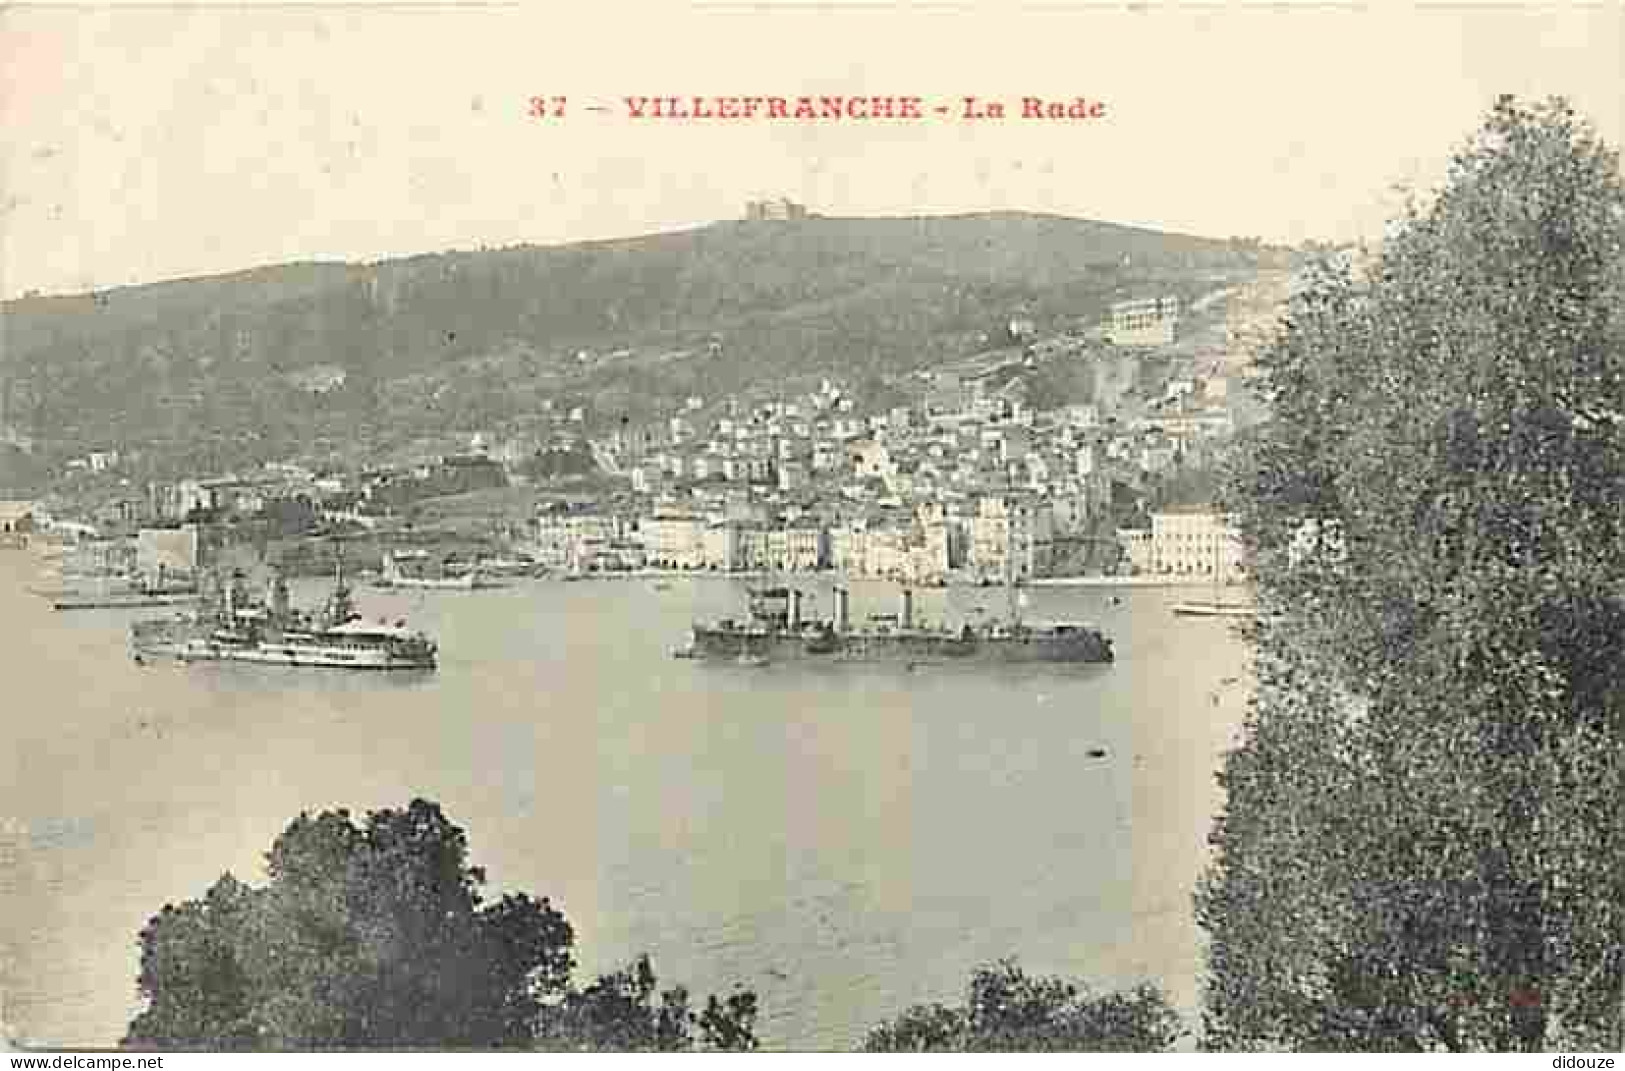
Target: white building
[(1195, 541), (1146, 322), (574, 540), (1083, 416), (797, 548), (722, 548), (674, 540)]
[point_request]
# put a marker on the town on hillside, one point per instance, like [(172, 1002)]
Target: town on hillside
[(1093, 451)]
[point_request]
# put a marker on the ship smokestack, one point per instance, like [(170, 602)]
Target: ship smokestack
[(279, 596), (842, 614), (906, 620)]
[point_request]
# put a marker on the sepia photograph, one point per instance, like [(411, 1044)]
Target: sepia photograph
[(734, 526)]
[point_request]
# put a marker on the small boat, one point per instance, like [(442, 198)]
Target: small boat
[(752, 661), (496, 570), (1201, 608), (393, 575), (661, 585)]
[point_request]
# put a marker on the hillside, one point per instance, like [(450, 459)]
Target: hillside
[(308, 358)]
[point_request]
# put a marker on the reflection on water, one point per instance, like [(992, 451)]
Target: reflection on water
[(847, 841)]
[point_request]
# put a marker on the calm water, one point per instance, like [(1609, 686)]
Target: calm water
[(845, 841)]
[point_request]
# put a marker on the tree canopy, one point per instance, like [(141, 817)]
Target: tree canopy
[(1421, 846), (1008, 1010), (376, 935)]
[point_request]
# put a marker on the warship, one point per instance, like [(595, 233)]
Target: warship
[(778, 630), (130, 595), (105, 588), (233, 627)]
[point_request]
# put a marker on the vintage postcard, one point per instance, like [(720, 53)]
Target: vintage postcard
[(812, 526)]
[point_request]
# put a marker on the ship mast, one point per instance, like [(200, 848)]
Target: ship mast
[(339, 608)]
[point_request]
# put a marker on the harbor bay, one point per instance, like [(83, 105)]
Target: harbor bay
[(844, 840)]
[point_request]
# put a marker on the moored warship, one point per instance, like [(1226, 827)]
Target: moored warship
[(134, 596), (777, 630), (232, 627)]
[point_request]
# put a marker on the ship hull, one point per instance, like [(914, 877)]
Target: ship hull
[(321, 656), (1079, 646), (428, 584), (127, 601)]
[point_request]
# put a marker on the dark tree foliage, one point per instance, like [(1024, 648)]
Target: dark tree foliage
[(376, 935), (1421, 847), (1007, 1010), (627, 1012), (556, 463)]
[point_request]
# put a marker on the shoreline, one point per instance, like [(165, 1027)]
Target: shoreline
[(1157, 581)]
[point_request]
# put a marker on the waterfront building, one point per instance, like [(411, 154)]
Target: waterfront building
[(1136, 547), (575, 540), (674, 540), (1195, 541), (849, 547), (806, 547), (722, 548), (1012, 536), (755, 547)]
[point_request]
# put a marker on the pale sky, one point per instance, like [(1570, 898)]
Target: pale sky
[(150, 142)]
